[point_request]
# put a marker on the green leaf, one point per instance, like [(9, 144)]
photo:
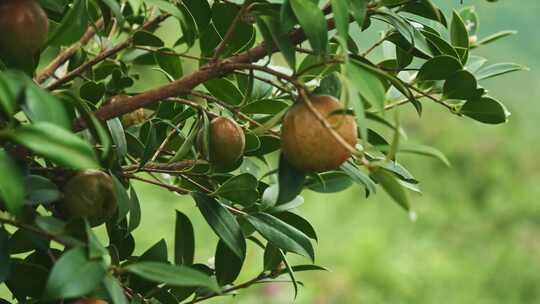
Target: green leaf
[(10, 88), (4, 255), (330, 182), (458, 32), (367, 83), (358, 8), (145, 38), (439, 68), (72, 26), (184, 240), (92, 91), (426, 9), (169, 63), (298, 222), (359, 177), (313, 22), (241, 189), (227, 264), (150, 142), (40, 190), (224, 90), (486, 110), (172, 275), (340, 8), (470, 18), (290, 271), (134, 210), (495, 37), (11, 184), (41, 106), (459, 35), (498, 69), (265, 106), (271, 31), (424, 150), (115, 290), (26, 279), (461, 85), (122, 199), (391, 185), (115, 8), (222, 222), (95, 248), (118, 137), (56, 144), (166, 6), (291, 181), (201, 12), (281, 234), (66, 279)]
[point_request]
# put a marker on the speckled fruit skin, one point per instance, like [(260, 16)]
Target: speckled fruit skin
[(227, 143), (307, 144), (89, 194), (23, 28)]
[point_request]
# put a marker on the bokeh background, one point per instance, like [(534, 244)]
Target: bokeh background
[(477, 235)]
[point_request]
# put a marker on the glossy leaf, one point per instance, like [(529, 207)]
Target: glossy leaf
[(241, 189), (281, 234), (313, 22), (228, 265), (184, 240), (56, 144), (391, 185), (65, 280), (172, 275), (12, 189), (222, 222), (486, 110)]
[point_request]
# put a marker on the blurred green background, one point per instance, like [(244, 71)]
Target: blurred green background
[(477, 236)]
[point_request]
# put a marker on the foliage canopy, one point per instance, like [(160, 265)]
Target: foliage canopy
[(80, 103)]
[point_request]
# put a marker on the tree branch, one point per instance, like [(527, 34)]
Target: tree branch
[(185, 84), (66, 54), (103, 55)]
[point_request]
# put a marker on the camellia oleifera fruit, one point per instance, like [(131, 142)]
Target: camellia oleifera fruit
[(89, 194), (227, 143), (307, 144), (23, 28)]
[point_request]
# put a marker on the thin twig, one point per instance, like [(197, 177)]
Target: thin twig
[(230, 31), (170, 187), (103, 55), (32, 229), (170, 53), (66, 54), (230, 108), (176, 166), (231, 289), (185, 84)]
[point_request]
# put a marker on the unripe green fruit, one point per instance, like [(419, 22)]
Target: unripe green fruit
[(308, 145), (227, 143), (23, 28), (89, 194)]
